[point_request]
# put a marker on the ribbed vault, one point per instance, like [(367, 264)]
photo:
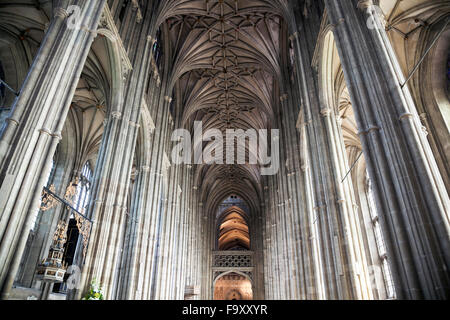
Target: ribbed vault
[(226, 68), (234, 231)]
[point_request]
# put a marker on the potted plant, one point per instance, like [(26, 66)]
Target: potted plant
[(95, 292)]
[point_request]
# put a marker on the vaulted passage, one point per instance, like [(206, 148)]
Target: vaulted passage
[(224, 149), (234, 233), (233, 286)]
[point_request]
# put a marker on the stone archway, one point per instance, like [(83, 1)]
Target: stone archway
[(233, 286)]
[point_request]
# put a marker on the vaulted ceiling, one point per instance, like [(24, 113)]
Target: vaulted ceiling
[(234, 232), (226, 65)]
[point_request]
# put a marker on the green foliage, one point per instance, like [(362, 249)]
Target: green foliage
[(95, 292)]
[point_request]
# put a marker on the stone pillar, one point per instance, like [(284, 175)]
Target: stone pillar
[(276, 240), (191, 245), (138, 254), (33, 129), (165, 277), (342, 254), (411, 198), (311, 225), (198, 243), (157, 207), (297, 189), (108, 207), (164, 210), (286, 220)]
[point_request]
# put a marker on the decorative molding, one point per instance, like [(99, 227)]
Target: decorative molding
[(364, 4), (134, 124), (146, 116), (60, 13), (339, 22), (108, 28), (45, 131), (405, 115), (139, 16), (13, 121), (116, 115), (57, 135), (325, 27), (166, 163), (368, 130), (284, 97), (293, 36), (325, 112)]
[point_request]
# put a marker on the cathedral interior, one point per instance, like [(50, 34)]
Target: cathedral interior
[(93, 206)]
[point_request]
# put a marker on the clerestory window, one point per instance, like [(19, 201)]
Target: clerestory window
[(389, 283)]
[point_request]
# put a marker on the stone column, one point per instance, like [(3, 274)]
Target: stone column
[(108, 207), (297, 201), (311, 224), (198, 243), (342, 254), (158, 210), (191, 248), (165, 277), (170, 203), (33, 129), (287, 218), (410, 195), (279, 277), (138, 254)]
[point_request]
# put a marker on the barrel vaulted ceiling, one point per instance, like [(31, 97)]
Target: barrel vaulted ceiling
[(234, 231)]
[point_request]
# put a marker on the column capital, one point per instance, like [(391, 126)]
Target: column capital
[(57, 135), (364, 4), (45, 131), (116, 115), (134, 124), (405, 115), (325, 112), (60, 13), (293, 36), (13, 121), (368, 130)]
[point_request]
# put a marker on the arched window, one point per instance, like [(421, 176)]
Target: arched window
[(157, 49), (389, 283), (47, 184), (83, 189)]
